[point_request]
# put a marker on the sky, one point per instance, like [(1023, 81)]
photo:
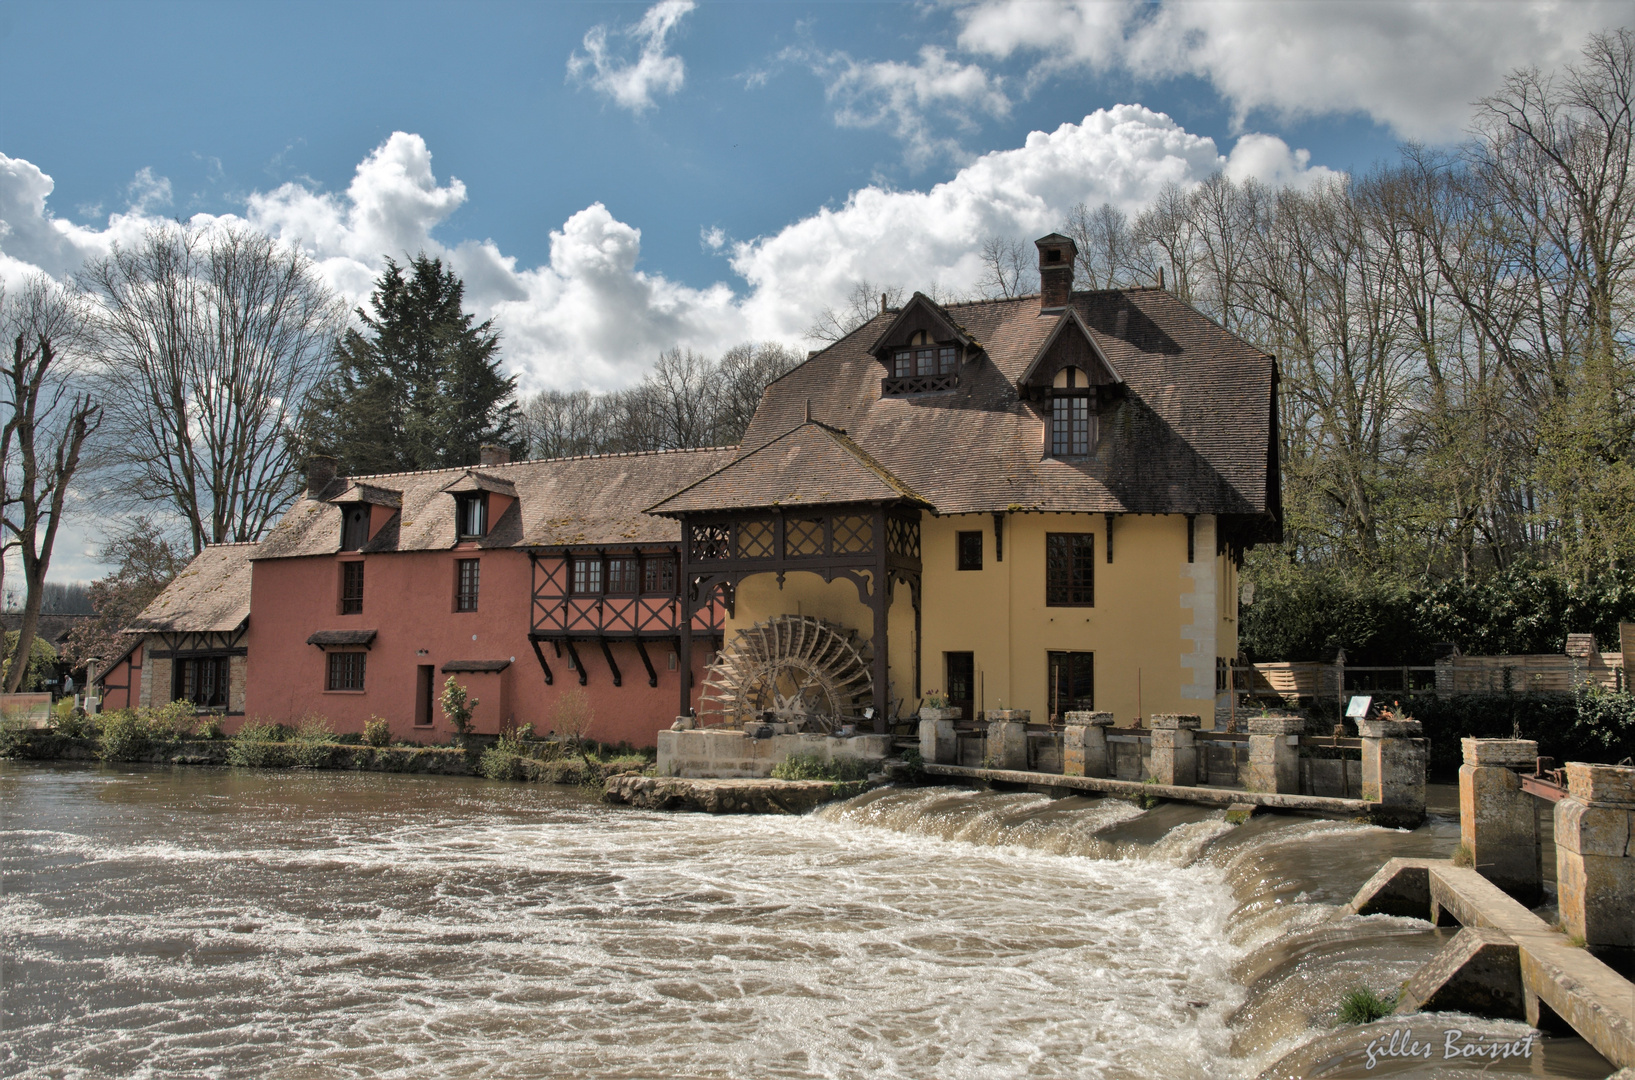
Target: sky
[(615, 179)]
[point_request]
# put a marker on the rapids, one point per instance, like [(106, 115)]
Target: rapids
[(216, 923)]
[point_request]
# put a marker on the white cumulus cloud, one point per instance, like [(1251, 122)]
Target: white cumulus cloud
[(633, 84), (591, 316), (1413, 65), (902, 96)]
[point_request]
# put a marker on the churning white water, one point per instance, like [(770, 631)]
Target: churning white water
[(230, 923)]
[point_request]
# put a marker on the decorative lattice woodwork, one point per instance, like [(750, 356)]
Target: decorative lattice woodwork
[(853, 535), (803, 538), (757, 539), (896, 386)]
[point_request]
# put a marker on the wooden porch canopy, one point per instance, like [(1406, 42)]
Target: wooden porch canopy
[(602, 593), (810, 500)]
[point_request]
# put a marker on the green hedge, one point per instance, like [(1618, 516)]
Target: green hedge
[(1594, 725), (1310, 614)]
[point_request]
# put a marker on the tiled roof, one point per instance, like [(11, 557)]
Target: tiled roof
[(1193, 432), (561, 501), (808, 465), (211, 594)]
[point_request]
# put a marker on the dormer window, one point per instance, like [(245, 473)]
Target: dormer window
[(1072, 423), (922, 366), (354, 527), (472, 512), (923, 357)]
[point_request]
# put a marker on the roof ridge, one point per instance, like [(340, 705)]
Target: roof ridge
[(544, 460), (229, 543)]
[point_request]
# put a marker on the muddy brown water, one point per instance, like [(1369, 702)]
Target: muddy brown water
[(222, 923)]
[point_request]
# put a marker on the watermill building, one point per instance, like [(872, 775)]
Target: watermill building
[(1035, 503)]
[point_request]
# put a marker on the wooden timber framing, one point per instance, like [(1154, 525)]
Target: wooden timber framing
[(873, 546), (562, 615), (173, 645)]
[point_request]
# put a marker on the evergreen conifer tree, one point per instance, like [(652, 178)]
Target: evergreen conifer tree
[(420, 387)]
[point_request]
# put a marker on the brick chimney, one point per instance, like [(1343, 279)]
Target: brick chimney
[(491, 454), (321, 469), (1056, 255)]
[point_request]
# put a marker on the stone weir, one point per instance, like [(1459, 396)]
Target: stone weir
[(1392, 775), (753, 795), (1505, 961), (730, 753)]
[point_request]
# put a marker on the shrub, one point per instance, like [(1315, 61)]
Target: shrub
[(812, 767), (209, 726), (125, 736), (171, 721), (314, 744), (458, 705), (1364, 1006), (503, 760), (571, 718), (75, 724), (913, 765), (14, 734), (258, 744), (1593, 725), (377, 732)]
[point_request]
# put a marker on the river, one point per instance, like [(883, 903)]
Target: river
[(223, 923)]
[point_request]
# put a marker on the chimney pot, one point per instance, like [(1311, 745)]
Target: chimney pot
[(1056, 255), (491, 454), (321, 469)]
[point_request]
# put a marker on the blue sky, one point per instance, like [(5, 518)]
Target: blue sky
[(614, 179), (226, 99)]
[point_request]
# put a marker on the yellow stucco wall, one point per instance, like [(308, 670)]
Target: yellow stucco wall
[(1157, 626)]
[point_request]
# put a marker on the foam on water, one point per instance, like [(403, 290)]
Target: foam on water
[(216, 923)]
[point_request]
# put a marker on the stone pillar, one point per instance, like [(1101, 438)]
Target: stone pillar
[(1008, 738), (1174, 757), (1498, 822), (1274, 754), (938, 743), (1595, 854), (1393, 768), (1084, 745)]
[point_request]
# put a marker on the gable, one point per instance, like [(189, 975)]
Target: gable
[(1069, 346), (920, 314)]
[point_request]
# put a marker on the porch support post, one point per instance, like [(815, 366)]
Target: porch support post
[(684, 643), (879, 601)]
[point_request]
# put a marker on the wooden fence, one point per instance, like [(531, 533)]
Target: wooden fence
[(1535, 674)]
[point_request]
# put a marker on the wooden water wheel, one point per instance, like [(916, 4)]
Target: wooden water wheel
[(800, 669)]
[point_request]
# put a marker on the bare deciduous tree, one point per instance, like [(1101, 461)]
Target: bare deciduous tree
[(49, 418), (1007, 268), (212, 342), (864, 302), (685, 401)]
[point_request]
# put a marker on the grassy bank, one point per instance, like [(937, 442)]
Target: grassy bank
[(132, 738)]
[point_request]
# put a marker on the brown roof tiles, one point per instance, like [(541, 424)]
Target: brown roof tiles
[(211, 594)]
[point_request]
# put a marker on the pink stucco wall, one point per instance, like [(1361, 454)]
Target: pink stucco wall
[(408, 600), (125, 678)]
